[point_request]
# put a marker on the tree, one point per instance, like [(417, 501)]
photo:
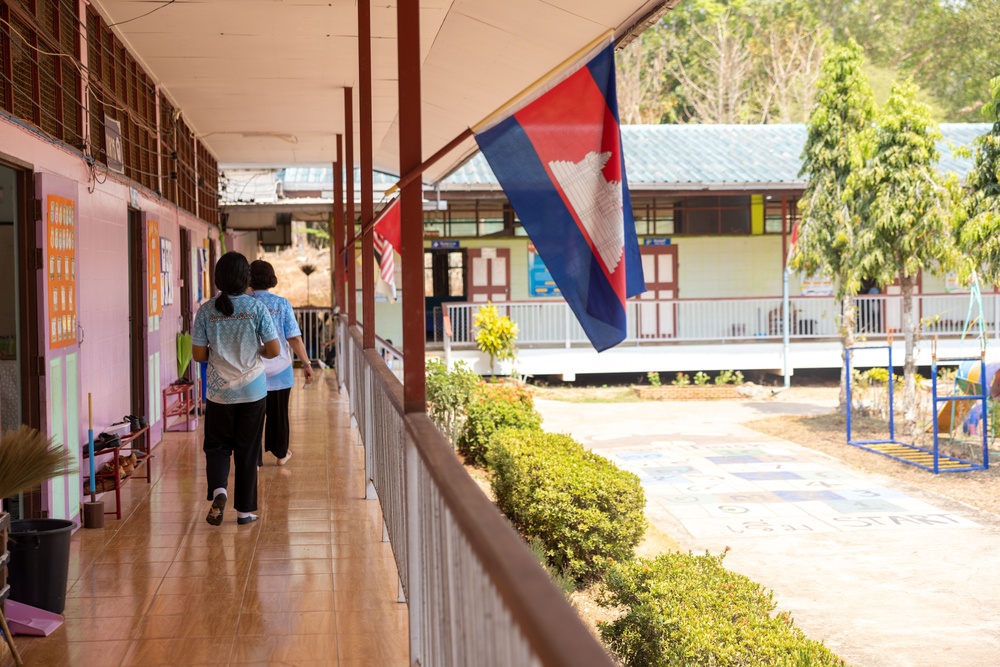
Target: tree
[(788, 45), (947, 47), (834, 151), (907, 213), (723, 61), (645, 94), (717, 83), (978, 216)]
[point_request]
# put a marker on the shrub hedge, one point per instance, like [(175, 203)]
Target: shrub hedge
[(682, 609), (585, 510), (494, 406), (448, 394)]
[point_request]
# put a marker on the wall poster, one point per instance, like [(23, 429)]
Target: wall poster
[(62, 271), (817, 285), (153, 269), (540, 281), (167, 269), (206, 283)]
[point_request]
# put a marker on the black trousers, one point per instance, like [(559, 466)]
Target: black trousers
[(276, 423), (232, 431)]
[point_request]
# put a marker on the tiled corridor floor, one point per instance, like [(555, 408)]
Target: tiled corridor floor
[(311, 583)]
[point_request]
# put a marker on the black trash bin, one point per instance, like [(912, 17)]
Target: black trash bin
[(39, 562)]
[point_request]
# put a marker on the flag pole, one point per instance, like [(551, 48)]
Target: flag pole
[(786, 364), (543, 80), (409, 177)]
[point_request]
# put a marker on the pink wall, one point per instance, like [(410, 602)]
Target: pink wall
[(102, 271)]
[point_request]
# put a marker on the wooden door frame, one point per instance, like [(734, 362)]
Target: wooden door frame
[(186, 295), (469, 259), (138, 314), (30, 330), (655, 251)]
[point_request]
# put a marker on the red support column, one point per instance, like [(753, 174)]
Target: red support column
[(365, 107), (352, 311), (337, 266), (411, 205)]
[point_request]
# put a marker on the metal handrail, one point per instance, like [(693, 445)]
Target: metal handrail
[(475, 592)]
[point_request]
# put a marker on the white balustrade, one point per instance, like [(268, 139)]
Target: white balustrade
[(744, 319)]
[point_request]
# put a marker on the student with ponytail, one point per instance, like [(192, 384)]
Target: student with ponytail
[(234, 333)]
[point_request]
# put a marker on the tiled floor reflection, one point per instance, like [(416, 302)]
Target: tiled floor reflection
[(311, 583)]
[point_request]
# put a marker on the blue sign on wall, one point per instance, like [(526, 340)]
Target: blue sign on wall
[(656, 240), (540, 281), (444, 245)]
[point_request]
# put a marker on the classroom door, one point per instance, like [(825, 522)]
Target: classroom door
[(59, 339), (656, 310), (489, 274), (139, 318)]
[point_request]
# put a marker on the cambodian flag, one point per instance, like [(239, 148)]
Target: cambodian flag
[(559, 159)]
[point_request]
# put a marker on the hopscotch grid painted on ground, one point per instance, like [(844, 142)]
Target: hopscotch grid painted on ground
[(761, 489)]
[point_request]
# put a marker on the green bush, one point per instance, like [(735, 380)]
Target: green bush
[(701, 378), (493, 407), (654, 378), (729, 377), (585, 510), (448, 395), (561, 579), (682, 609), (682, 380)]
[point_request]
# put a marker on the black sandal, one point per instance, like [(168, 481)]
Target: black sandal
[(218, 507)]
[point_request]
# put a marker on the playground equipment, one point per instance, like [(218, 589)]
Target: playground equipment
[(968, 414), (932, 459)]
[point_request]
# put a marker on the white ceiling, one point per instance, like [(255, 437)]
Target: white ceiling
[(261, 81)]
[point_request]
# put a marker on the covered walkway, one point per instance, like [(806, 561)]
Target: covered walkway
[(311, 583)]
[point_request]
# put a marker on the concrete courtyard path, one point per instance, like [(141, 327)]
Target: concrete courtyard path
[(885, 574)]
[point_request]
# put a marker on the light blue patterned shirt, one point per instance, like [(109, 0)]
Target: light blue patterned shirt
[(280, 372), (235, 368)]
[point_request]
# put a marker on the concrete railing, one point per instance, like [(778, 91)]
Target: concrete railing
[(475, 593)]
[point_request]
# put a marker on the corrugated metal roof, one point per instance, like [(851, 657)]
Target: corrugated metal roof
[(321, 178), (679, 156)]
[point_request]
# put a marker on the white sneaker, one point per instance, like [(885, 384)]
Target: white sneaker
[(282, 461)]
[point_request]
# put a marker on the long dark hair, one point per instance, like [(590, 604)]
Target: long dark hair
[(262, 275), (232, 276)]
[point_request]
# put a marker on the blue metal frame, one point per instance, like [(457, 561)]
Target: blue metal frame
[(964, 466)]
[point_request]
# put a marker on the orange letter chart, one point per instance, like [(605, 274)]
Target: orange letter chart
[(62, 271), (153, 257)]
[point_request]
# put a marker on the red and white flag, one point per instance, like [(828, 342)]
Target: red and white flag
[(387, 239)]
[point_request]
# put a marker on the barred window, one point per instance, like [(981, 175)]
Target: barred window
[(40, 66), (121, 90)]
